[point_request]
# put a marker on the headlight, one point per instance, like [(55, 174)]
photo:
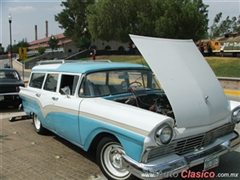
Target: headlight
[(236, 115), (164, 134)]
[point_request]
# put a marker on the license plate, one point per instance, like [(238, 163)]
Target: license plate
[(211, 162), (1, 98)]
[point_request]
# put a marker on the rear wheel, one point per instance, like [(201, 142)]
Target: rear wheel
[(38, 125), (109, 159)]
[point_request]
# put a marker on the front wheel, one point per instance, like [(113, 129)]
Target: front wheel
[(109, 159), (38, 125)]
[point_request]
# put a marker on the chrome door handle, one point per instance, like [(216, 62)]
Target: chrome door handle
[(38, 95), (55, 98)]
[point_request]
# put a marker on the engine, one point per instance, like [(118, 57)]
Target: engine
[(153, 102)]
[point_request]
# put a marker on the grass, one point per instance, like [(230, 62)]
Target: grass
[(27, 59), (225, 66), (221, 66)]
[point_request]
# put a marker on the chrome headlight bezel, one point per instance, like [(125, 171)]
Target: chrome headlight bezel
[(163, 134), (235, 116)]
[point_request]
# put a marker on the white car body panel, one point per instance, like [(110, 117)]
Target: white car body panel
[(134, 118), (192, 88)]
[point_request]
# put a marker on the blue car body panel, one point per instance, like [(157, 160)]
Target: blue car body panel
[(84, 130)]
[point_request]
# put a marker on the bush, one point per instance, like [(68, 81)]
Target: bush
[(41, 50)]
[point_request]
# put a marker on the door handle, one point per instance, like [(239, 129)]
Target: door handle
[(38, 95), (55, 98)]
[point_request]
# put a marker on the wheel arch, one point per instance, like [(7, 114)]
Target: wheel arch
[(99, 137), (132, 147)]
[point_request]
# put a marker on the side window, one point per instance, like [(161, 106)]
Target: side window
[(155, 83), (92, 84), (51, 82), (37, 80), (137, 77), (68, 84), (118, 81)]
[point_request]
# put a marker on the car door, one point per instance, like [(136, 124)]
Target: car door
[(66, 105), (46, 97), (38, 100)]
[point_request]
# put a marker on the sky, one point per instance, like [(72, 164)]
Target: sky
[(28, 13)]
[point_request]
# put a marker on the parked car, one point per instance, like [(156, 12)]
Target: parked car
[(142, 124), (10, 81)]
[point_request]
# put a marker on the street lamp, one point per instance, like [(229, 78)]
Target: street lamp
[(52, 42), (10, 22)]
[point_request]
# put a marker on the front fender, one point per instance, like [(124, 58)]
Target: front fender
[(132, 143)]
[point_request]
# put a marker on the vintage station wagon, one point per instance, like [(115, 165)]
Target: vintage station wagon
[(143, 124)]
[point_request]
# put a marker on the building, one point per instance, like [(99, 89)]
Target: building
[(68, 46), (64, 45)]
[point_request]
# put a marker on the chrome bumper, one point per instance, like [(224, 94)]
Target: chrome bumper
[(9, 96), (173, 167)]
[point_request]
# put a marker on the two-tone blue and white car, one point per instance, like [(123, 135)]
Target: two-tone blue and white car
[(143, 124)]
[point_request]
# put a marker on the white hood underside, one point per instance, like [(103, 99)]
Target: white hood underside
[(192, 88)]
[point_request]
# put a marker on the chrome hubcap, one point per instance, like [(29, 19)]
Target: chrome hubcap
[(36, 122), (112, 160)]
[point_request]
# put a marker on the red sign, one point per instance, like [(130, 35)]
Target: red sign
[(9, 55)]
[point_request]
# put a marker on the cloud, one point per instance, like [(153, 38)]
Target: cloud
[(55, 8), (21, 9)]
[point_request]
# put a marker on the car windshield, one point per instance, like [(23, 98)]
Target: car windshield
[(9, 75), (116, 82)]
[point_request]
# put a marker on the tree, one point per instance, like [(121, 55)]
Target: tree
[(1, 49), (15, 47), (115, 20), (53, 42), (184, 19), (220, 28), (73, 20), (41, 50)]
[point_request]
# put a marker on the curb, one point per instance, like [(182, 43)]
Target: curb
[(229, 78)]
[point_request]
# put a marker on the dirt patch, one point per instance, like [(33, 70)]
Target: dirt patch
[(228, 84)]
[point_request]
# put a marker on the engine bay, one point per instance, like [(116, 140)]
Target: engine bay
[(157, 102)]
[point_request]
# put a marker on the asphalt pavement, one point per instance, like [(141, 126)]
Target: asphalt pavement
[(25, 155)]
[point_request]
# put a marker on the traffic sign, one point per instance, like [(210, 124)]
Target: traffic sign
[(22, 51)]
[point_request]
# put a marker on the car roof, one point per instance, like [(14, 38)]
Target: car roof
[(86, 66)]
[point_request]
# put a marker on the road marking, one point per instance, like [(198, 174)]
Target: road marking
[(232, 92)]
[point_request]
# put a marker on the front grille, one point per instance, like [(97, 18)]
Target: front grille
[(7, 89), (186, 145)]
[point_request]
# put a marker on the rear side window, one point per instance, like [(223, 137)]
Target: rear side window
[(51, 82), (37, 80)]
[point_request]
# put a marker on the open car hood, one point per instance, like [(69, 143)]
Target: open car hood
[(192, 88)]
